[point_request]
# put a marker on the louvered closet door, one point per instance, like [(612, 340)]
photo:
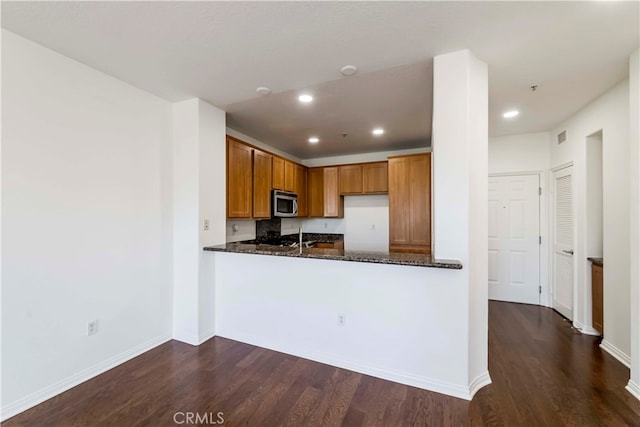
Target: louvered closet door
[(563, 242)]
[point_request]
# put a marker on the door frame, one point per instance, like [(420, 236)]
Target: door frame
[(544, 273), (551, 222)]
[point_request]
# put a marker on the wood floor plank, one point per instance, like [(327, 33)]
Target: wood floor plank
[(544, 373)]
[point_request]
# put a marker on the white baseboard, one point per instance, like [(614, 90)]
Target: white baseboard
[(187, 337), (206, 337), (65, 384), (191, 339), (431, 384), (634, 389), (480, 381), (587, 330), (616, 352)]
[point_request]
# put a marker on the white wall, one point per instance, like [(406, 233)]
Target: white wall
[(413, 332), (634, 139), (594, 198), (366, 223), (609, 113), (323, 225), (86, 198), (519, 153), (246, 229)]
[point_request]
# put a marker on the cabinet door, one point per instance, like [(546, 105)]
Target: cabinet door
[(261, 184), (301, 189), (597, 298), (410, 203), (332, 200), (399, 215), (419, 200), (289, 176), (316, 192), (239, 180), (350, 178), (278, 173), (375, 177)]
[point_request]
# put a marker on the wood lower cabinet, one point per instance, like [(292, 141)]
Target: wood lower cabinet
[(261, 184), (350, 177), (597, 299), (278, 173), (375, 177), (301, 190), (239, 180), (410, 203), (338, 244), (324, 193)]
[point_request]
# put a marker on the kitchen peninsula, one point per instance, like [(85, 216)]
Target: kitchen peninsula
[(397, 258)]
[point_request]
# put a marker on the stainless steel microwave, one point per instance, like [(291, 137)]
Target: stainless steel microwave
[(284, 204)]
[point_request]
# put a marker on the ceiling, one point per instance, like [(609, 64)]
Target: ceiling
[(222, 51)]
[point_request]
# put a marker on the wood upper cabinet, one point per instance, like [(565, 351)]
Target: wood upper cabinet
[(364, 178), (375, 177), (324, 193), (350, 178), (261, 184), (289, 176), (333, 202), (301, 190), (316, 192), (239, 180), (284, 175), (278, 173), (410, 203)]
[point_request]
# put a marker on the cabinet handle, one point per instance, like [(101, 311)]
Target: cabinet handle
[(570, 252)]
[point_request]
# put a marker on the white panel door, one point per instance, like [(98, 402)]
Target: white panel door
[(563, 242), (514, 230)]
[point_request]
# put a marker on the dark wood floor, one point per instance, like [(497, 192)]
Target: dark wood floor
[(544, 373)]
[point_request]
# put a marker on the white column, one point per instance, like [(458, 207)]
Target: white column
[(199, 194), (634, 172), (460, 175), (212, 206)]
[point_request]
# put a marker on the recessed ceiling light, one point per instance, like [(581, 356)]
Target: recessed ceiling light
[(510, 114), (314, 140), (349, 70), (263, 90), (305, 98), (378, 131)]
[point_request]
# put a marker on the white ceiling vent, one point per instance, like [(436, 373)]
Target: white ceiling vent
[(562, 137)]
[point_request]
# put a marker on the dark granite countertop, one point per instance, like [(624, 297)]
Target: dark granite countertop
[(596, 261), (396, 258)]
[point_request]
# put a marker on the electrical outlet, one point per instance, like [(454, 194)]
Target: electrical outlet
[(342, 319), (326, 225), (92, 327), (206, 224), (373, 226)]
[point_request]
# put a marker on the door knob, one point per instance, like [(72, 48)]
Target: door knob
[(568, 252)]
